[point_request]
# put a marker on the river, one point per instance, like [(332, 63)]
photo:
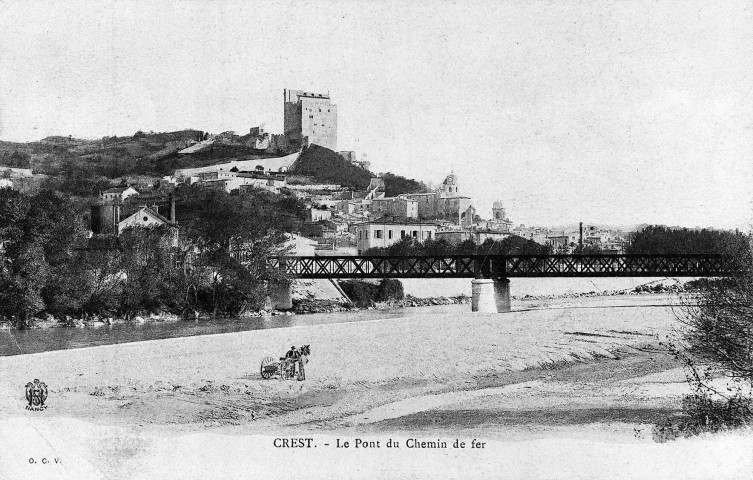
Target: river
[(19, 342)]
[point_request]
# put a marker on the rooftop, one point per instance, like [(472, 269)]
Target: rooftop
[(392, 221), (117, 189)]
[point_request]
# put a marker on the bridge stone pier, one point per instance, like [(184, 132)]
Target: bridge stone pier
[(490, 295), (279, 296)]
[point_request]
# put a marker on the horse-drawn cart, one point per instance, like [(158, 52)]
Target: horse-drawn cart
[(285, 367), (273, 368)]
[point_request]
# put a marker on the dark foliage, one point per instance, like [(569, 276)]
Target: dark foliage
[(224, 228), (513, 245), (39, 236), (702, 413), (16, 160), (366, 294), (326, 166), (587, 249), (660, 239), (47, 265), (395, 185)]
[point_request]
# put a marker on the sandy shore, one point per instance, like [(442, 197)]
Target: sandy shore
[(546, 389)]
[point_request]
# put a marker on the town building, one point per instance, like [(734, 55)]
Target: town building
[(271, 183), (350, 156), (144, 217), (310, 118), (242, 181), (383, 233), (445, 203), (269, 165), (535, 234), (118, 194), (258, 139), (477, 235), (400, 207), (499, 221), (316, 214), (563, 242)]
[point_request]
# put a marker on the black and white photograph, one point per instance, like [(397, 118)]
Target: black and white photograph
[(376, 239)]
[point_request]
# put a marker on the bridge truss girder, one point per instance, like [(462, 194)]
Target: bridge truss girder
[(500, 266)]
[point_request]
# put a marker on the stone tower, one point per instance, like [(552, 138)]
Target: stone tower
[(498, 211), (310, 117), (449, 187)]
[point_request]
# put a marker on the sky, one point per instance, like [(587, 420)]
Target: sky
[(603, 112)]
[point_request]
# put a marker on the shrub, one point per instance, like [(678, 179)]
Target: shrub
[(701, 413), (716, 340), (365, 294)]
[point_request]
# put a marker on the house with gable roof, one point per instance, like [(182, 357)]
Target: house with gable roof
[(118, 194), (146, 217)]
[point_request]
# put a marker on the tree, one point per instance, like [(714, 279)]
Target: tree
[(151, 280), (22, 287), (57, 224), (661, 239), (235, 236), (395, 185), (39, 236), (18, 160), (716, 341), (587, 249)]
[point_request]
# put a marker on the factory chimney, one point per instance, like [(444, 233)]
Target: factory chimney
[(172, 208)]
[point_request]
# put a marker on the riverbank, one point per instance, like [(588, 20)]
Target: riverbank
[(311, 298), (526, 382), (548, 390)]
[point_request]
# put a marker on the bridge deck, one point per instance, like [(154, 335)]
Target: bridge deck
[(478, 266)]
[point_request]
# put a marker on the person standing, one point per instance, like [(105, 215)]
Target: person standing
[(291, 358)]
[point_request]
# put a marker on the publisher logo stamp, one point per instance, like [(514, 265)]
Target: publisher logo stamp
[(36, 394)]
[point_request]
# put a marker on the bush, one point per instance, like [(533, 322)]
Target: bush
[(701, 414), (365, 294), (716, 340)]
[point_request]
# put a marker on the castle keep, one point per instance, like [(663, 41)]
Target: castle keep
[(310, 118)]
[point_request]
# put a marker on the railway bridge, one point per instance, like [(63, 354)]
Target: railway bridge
[(491, 274)]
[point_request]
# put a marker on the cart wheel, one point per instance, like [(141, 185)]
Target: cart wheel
[(264, 363)]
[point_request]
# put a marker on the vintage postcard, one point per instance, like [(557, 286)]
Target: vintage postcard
[(376, 239)]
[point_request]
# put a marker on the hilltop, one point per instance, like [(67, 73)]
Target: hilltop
[(112, 157), (92, 164)]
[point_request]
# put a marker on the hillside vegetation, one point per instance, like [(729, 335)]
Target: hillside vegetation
[(85, 167), (113, 157), (326, 166)]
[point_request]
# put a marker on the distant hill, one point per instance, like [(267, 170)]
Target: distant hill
[(156, 154), (112, 157)]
